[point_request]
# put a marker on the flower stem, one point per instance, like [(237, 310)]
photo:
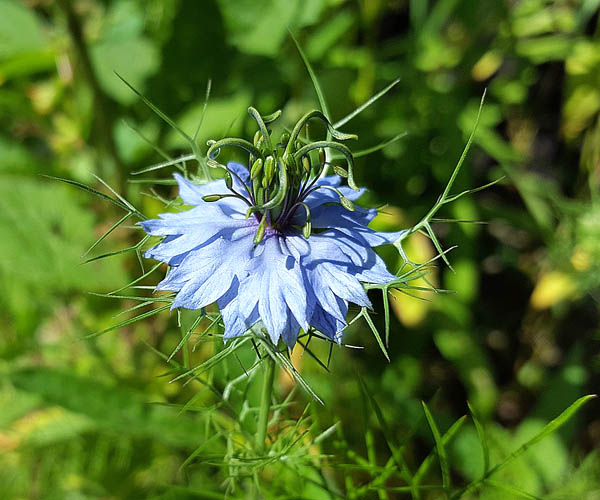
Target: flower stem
[(265, 403)]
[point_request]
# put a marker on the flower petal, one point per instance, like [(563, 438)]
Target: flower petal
[(275, 283), (328, 324)]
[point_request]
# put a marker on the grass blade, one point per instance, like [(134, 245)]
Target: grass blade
[(387, 435), (482, 439), (548, 429), (441, 451), (446, 438), (514, 491)]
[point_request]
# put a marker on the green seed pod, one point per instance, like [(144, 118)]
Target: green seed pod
[(228, 180), (257, 137), (298, 145), (260, 232), (212, 197), (256, 168), (285, 137)]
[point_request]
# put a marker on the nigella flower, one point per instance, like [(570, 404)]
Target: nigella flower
[(290, 250)]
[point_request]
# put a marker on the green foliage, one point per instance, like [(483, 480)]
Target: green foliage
[(162, 408)]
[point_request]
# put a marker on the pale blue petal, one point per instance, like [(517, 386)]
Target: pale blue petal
[(192, 193), (336, 216), (276, 283), (328, 324), (230, 229), (236, 323), (290, 331)]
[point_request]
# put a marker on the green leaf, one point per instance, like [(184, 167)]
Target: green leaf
[(222, 117), (129, 321), (258, 27), (109, 407), (315, 81), (548, 429), (373, 328), (49, 230), (368, 103), (20, 30), (158, 112), (512, 490), (123, 49)]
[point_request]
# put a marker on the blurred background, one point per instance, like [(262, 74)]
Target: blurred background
[(86, 419)]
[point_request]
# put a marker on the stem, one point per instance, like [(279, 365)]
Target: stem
[(103, 112), (265, 403), (186, 351)]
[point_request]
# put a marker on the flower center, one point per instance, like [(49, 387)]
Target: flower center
[(283, 173)]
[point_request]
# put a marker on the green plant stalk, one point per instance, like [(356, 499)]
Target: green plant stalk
[(265, 403), (103, 115)]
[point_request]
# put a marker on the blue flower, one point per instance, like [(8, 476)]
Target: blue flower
[(284, 279)]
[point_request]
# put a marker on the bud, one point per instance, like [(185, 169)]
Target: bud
[(285, 137), (256, 168), (257, 137), (298, 145)]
